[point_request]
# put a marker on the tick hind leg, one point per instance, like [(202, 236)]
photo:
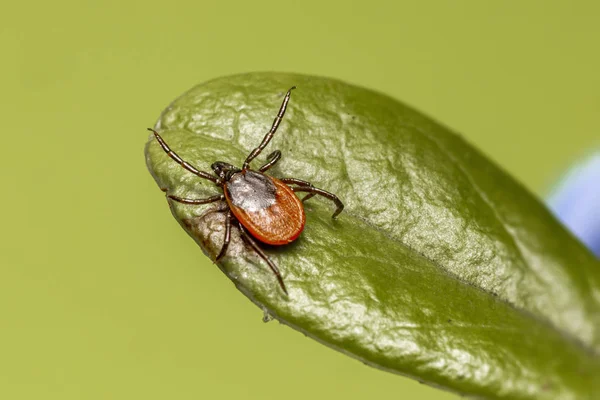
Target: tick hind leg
[(211, 199), (304, 186), (227, 237), (246, 237)]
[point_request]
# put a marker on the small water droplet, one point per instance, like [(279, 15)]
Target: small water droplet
[(266, 316)]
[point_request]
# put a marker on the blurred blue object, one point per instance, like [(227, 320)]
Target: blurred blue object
[(576, 202)]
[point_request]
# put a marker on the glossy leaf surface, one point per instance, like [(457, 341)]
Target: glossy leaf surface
[(441, 266)]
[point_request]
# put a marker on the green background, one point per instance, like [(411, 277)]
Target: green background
[(102, 295)]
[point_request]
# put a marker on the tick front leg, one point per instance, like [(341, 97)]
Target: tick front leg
[(262, 255), (207, 200), (227, 237), (271, 160), (187, 166)]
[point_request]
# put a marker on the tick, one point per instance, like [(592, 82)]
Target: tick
[(260, 206)]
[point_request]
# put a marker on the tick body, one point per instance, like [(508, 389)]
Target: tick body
[(266, 206), (260, 206)]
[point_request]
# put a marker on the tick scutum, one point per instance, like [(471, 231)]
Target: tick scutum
[(251, 191)]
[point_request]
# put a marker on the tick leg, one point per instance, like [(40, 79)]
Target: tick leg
[(180, 161), (211, 199), (262, 255), (272, 160), (313, 191), (294, 181), (227, 236), (308, 196), (223, 208), (270, 134), (299, 182)]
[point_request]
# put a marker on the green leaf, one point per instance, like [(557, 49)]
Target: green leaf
[(441, 267)]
